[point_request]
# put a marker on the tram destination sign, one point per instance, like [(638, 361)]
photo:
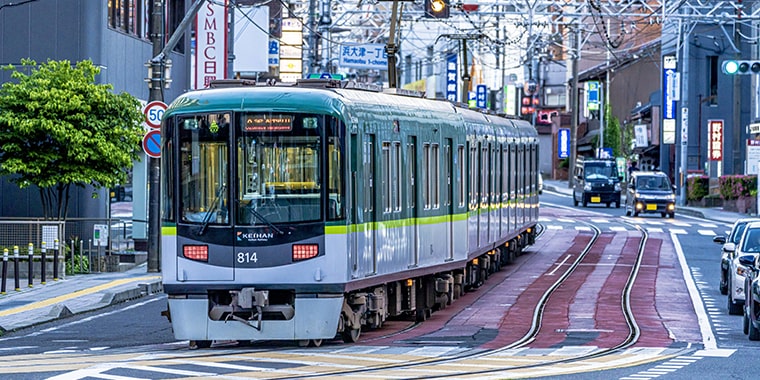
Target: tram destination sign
[(364, 56), (269, 123)]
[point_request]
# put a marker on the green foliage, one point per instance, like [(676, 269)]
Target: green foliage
[(737, 186), (58, 128), (697, 187), (81, 265), (612, 132)]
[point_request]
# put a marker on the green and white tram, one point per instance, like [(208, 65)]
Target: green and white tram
[(311, 211)]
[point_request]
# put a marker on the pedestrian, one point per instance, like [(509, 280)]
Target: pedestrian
[(634, 167)]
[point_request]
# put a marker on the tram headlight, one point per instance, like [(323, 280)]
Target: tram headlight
[(195, 252), (305, 251)]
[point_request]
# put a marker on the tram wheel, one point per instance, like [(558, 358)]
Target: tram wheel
[(352, 335), (303, 343), (315, 342)]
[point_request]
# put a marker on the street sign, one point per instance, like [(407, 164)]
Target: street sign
[(100, 235), (152, 143), (154, 111), (481, 94)]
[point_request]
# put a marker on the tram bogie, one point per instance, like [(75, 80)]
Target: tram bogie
[(306, 214)]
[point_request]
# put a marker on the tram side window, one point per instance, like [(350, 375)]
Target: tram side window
[(386, 185), (426, 176), (435, 172), (460, 176), (335, 145), (204, 168), (473, 178)]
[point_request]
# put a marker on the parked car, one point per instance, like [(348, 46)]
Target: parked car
[(747, 249), (650, 192), (725, 256), (752, 301)]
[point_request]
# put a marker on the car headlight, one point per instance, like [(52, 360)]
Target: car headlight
[(617, 186), (587, 186), (671, 197)]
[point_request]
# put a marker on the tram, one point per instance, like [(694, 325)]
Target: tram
[(313, 211)]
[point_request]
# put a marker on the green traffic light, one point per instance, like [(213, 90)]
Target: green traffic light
[(730, 67)]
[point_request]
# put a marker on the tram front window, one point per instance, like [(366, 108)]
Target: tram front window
[(279, 168), (204, 158)]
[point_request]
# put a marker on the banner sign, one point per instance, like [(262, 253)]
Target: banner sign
[(211, 43), (715, 137), (563, 143), (452, 89)]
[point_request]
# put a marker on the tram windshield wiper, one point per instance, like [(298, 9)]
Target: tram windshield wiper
[(214, 206), (265, 220)]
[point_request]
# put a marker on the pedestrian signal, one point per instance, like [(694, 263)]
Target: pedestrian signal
[(733, 67)]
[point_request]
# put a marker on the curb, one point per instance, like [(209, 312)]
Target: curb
[(62, 310)]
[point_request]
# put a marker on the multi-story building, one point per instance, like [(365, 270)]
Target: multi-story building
[(115, 36)]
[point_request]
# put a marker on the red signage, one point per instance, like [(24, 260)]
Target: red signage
[(715, 137)]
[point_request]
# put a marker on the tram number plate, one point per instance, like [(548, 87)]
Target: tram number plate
[(651, 207), (596, 199)]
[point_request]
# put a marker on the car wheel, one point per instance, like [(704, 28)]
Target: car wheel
[(617, 204), (635, 213), (608, 204), (745, 323), (585, 202), (627, 212), (575, 201), (754, 332), (733, 308), (672, 215), (723, 287), (662, 214)]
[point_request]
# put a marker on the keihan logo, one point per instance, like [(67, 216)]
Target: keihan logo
[(254, 236)]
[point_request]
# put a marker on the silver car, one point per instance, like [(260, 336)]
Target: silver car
[(725, 256), (747, 248)]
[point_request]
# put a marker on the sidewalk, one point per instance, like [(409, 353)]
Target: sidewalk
[(75, 294), (710, 213)]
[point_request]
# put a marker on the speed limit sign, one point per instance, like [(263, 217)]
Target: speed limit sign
[(154, 111)]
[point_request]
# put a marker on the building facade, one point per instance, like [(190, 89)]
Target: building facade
[(115, 36)]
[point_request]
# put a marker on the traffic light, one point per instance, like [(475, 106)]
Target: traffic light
[(732, 67), (437, 8)]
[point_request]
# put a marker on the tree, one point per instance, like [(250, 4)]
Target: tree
[(59, 128), (612, 132)]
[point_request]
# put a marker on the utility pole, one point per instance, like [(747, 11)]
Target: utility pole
[(391, 49), (158, 79), (156, 94), (574, 107)]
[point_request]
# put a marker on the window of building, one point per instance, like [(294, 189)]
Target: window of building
[(713, 72)]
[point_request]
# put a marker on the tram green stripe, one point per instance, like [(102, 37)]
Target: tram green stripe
[(396, 223)]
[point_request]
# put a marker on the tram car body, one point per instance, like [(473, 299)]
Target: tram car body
[(312, 211)]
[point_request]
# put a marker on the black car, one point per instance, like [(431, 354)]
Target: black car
[(650, 192), (596, 181)]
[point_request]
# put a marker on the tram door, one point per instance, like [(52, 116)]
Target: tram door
[(369, 207), (448, 195), (411, 159), (356, 158)]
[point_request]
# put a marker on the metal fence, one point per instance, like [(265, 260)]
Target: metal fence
[(83, 237)]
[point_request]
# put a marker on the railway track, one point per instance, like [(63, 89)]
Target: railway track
[(557, 287)]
